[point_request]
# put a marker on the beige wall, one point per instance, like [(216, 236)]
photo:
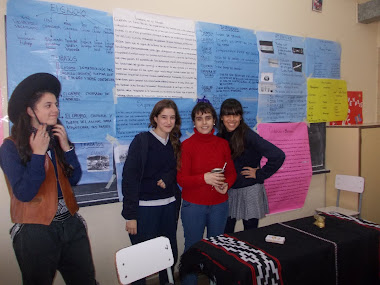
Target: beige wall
[(354, 150), (342, 157), (378, 72), (370, 157), (337, 22)]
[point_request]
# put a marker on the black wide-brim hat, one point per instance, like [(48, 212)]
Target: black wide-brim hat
[(38, 82)]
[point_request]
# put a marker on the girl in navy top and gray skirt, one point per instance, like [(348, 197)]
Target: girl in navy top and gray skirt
[(247, 197)]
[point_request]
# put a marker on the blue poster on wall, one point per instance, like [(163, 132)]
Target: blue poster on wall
[(228, 65), (132, 115), (73, 43), (282, 80), (323, 58)]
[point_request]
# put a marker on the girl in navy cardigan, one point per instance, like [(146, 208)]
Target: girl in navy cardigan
[(151, 194)]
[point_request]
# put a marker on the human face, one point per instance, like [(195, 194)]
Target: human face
[(231, 122), (204, 123), (46, 110), (165, 122)]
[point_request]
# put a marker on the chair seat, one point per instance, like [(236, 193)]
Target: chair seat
[(143, 259), (339, 210)]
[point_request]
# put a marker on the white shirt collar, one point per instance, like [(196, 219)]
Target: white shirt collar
[(163, 141)]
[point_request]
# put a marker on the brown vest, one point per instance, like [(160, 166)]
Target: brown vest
[(43, 207)]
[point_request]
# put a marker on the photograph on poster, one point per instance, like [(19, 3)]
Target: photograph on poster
[(98, 163)]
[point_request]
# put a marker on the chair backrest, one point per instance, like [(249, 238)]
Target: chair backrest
[(349, 183), (143, 259)]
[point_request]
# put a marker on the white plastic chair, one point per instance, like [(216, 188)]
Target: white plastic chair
[(346, 183), (144, 259)]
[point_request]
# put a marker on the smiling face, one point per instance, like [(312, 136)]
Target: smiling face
[(204, 123), (165, 122), (46, 110), (231, 122)]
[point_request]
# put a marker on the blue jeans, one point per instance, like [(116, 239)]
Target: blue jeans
[(155, 221), (195, 218)]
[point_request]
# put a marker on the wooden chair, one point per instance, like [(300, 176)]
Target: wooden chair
[(143, 259), (346, 183)]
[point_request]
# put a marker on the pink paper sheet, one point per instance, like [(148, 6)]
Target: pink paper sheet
[(287, 188)]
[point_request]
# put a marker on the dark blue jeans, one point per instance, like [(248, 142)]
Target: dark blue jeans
[(156, 221), (64, 246), (195, 218)]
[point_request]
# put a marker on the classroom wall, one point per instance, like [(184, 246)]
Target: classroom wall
[(337, 22), (370, 155), (378, 73)]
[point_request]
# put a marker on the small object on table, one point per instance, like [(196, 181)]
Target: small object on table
[(319, 221), (275, 239)]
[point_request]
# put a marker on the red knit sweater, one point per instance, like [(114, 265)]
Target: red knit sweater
[(200, 154)]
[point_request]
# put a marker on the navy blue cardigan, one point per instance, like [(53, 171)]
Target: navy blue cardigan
[(133, 172)]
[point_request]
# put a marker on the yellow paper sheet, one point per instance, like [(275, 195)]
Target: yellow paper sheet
[(326, 100)]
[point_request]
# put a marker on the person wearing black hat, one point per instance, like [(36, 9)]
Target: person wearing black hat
[(40, 166)]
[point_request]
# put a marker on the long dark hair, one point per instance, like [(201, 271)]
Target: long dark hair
[(22, 130), (237, 144), (175, 134)]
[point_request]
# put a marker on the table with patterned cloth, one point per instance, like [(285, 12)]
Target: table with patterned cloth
[(345, 251)]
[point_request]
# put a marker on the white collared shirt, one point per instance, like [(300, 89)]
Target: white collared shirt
[(163, 141)]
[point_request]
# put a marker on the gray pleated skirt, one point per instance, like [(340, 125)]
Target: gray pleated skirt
[(248, 202)]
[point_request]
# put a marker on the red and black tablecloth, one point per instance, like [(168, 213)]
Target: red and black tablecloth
[(345, 252)]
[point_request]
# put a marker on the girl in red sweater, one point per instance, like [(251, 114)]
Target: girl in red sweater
[(205, 199)]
